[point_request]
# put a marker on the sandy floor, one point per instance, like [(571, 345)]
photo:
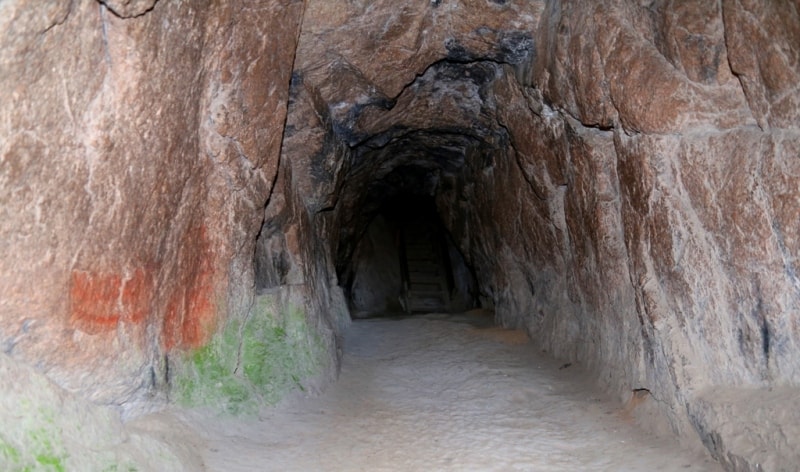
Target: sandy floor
[(440, 394)]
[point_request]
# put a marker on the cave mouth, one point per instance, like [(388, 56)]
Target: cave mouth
[(405, 262), (407, 224)]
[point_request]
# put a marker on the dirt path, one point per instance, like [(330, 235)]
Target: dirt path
[(428, 394)]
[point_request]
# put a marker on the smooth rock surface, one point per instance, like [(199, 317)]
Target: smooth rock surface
[(48, 428)]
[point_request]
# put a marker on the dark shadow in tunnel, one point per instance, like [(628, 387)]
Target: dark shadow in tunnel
[(406, 263)]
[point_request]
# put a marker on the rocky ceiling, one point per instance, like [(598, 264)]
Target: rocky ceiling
[(409, 94)]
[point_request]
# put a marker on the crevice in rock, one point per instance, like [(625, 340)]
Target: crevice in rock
[(129, 9), (104, 25), (60, 20)]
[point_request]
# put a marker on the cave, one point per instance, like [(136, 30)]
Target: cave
[(405, 262), (203, 201)]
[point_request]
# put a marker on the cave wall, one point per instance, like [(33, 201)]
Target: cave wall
[(140, 141), (294, 249), (645, 217), (377, 279)]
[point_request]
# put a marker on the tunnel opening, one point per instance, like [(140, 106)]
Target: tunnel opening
[(406, 262), (406, 215)]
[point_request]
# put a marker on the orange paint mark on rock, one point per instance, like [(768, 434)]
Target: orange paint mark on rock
[(93, 301), (197, 330), (98, 302), (137, 293), (189, 320), (173, 318)]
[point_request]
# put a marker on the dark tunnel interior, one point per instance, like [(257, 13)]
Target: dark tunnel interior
[(406, 262)]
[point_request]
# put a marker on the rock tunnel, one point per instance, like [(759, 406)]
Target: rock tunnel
[(618, 178)]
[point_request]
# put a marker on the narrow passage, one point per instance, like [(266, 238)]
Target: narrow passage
[(444, 393)]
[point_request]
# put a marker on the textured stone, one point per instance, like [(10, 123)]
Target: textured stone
[(764, 44), (766, 421), (619, 62), (46, 427), (376, 275), (122, 138)]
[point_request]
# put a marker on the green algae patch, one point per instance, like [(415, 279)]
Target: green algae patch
[(46, 428), (8, 453), (253, 361), (34, 443)]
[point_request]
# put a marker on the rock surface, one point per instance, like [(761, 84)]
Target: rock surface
[(377, 280), (47, 428), (134, 157)]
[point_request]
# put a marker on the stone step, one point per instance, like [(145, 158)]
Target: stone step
[(424, 267), (420, 305), (419, 251), (426, 287), (423, 258), (420, 245), (433, 295), (425, 278), (428, 303)]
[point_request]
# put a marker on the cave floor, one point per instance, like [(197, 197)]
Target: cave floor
[(443, 393)]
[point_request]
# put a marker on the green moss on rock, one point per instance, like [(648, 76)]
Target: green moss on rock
[(252, 362), (9, 454), (38, 447), (45, 428)]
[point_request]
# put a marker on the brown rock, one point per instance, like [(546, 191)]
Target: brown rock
[(764, 50), (129, 8), (112, 160)]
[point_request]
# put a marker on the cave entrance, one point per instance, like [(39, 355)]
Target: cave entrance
[(407, 263)]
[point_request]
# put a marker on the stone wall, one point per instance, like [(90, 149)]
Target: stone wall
[(139, 144), (377, 280), (645, 213)]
